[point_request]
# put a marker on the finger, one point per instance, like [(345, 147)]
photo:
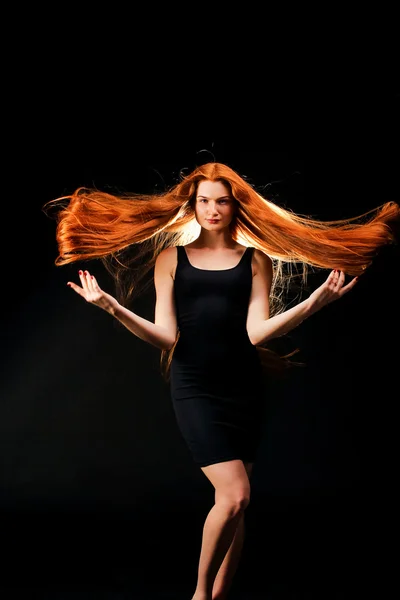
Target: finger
[(82, 277), (95, 285), (76, 288), (340, 279), (89, 281), (333, 280), (349, 286)]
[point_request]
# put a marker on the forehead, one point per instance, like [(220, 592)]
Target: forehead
[(212, 189)]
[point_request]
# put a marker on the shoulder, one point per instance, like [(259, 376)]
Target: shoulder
[(167, 254), (261, 263), (166, 260)]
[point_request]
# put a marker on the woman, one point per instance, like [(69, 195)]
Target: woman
[(218, 249)]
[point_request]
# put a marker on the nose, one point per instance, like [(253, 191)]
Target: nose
[(212, 209)]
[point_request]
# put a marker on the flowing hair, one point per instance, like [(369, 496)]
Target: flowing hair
[(127, 231)]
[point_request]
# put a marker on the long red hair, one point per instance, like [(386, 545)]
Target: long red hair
[(128, 231)]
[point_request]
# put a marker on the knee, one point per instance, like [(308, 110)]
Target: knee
[(235, 503), (243, 501)]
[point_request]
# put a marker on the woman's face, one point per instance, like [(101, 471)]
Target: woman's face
[(214, 205)]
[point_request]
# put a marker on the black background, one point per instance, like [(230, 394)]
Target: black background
[(99, 496)]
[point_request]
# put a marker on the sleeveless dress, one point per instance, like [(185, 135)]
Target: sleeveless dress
[(216, 379)]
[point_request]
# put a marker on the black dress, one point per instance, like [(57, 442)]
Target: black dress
[(216, 381)]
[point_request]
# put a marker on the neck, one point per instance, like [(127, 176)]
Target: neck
[(216, 239)]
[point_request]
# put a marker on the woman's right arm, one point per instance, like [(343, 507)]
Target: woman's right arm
[(162, 333)]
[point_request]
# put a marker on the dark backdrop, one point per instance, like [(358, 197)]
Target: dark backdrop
[(98, 492)]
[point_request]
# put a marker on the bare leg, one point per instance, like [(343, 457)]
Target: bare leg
[(228, 568), (232, 497)]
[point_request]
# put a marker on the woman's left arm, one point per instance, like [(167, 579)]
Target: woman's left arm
[(261, 328)]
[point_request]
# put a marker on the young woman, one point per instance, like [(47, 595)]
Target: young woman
[(218, 249)]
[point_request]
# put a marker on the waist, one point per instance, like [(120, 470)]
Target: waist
[(203, 351)]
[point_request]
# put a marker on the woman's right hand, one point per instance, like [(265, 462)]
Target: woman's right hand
[(92, 292)]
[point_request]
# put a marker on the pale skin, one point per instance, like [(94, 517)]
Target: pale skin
[(223, 531)]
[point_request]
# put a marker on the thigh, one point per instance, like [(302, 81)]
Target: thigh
[(229, 477)]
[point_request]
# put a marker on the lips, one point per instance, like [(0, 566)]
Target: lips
[(213, 220)]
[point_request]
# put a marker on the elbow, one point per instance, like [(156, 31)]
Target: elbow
[(254, 339), (257, 337), (165, 346), (169, 343)]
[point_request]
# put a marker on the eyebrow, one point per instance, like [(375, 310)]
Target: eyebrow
[(220, 198)]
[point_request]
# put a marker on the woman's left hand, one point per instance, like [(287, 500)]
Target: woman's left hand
[(332, 289)]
